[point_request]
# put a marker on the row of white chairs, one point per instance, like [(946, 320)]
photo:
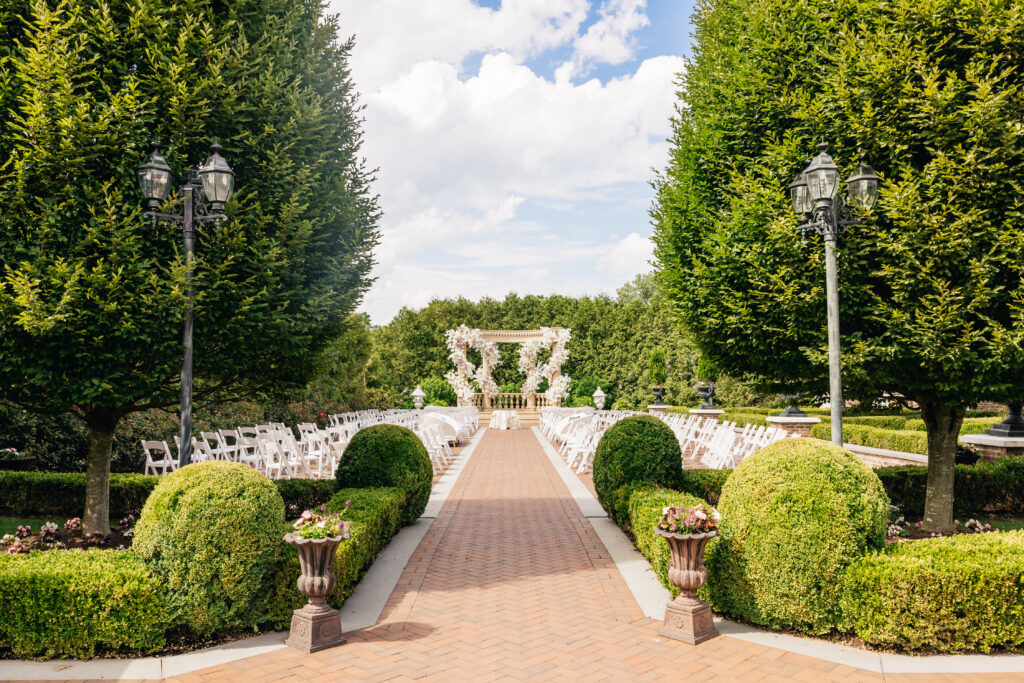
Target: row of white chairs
[(274, 449), (717, 446)]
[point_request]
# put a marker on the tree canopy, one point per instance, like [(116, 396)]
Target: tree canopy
[(611, 341), (930, 296), (92, 296)]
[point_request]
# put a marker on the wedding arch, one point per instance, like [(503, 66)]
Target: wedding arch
[(463, 338)]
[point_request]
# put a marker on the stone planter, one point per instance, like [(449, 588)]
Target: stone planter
[(687, 618), (659, 395), (316, 625)]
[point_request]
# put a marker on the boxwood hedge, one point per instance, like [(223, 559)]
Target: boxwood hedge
[(62, 494), (636, 450), (952, 594), (794, 516), (388, 455), (69, 603)]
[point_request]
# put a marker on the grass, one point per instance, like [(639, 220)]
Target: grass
[(8, 525), (1005, 524)]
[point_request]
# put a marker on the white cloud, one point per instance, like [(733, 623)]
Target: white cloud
[(392, 36), (487, 179), (609, 40)]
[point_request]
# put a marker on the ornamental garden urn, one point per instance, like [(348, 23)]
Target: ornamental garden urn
[(706, 393), (687, 618), (316, 625)]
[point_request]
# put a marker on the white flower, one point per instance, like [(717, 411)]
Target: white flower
[(700, 514), (716, 515), (665, 510)]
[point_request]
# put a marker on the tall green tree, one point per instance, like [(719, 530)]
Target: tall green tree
[(92, 296), (611, 339), (930, 295)]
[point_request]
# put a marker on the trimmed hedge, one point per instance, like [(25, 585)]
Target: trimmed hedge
[(908, 441), (69, 603), (62, 494), (636, 450), (987, 487), (794, 516), (376, 515), (212, 532), (704, 484), (645, 506), (951, 594), (388, 455)]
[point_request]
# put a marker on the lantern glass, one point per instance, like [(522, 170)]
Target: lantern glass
[(822, 176), (798, 195), (862, 188), (155, 178), (218, 179)]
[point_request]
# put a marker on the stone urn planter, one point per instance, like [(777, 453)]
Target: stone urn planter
[(316, 625), (659, 396), (687, 618)]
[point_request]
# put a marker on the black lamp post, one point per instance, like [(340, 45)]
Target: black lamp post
[(816, 198), (204, 193)]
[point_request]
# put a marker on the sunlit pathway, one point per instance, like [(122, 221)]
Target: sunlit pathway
[(511, 582)]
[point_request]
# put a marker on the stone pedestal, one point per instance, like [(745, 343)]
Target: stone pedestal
[(315, 628), (707, 412), (655, 409), (798, 426), (994, 447), (688, 620)]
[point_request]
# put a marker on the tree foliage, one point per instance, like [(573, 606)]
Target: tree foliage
[(611, 340), (92, 296), (930, 296)]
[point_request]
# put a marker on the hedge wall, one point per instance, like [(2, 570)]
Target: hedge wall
[(69, 603), (908, 441), (62, 494), (376, 515), (43, 596), (645, 506), (948, 594)]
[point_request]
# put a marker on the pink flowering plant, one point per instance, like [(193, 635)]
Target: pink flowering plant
[(696, 519), (321, 523)]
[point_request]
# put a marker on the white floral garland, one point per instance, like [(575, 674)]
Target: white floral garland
[(558, 340), (459, 340)]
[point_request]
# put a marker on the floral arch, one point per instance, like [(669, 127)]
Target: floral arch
[(486, 342)]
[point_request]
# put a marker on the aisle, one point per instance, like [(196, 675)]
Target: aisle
[(511, 581)]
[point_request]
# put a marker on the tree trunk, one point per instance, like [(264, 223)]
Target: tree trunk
[(97, 478), (943, 423)]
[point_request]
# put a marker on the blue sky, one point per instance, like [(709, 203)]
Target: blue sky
[(515, 140)]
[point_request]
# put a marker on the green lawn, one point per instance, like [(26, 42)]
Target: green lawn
[(8, 525), (1005, 524)]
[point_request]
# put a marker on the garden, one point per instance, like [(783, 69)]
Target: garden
[(197, 556), (811, 541)]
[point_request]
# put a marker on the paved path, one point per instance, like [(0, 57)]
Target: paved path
[(511, 582)]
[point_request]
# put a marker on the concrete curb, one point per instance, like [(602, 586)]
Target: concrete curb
[(652, 596), (361, 610)]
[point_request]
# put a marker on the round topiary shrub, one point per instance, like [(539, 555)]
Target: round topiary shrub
[(795, 515), (637, 450), (388, 455), (212, 531)]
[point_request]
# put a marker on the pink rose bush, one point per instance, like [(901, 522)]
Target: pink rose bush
[(696, 519)]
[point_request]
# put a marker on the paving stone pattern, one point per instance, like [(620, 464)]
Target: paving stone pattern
[(511, 583)]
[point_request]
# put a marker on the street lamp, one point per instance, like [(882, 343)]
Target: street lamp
[(817, 200), (599, 399), (204, 193), (417, 397)]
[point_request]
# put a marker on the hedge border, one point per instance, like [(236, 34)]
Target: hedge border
[(62, 494)]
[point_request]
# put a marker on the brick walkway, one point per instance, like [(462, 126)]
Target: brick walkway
[(511, 582)]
